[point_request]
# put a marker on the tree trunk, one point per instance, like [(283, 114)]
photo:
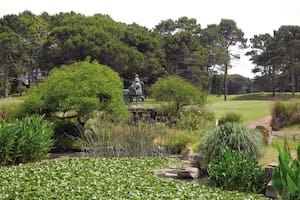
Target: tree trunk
[(273, 82), (5, 82), (293, 79), (293, 73), (225, 82)]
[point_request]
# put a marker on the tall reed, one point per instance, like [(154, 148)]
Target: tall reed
[(25, 140), (103, 138)]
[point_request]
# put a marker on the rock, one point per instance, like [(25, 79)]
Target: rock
[(188, 173), (170, 175), (268, 171), (165, 173), (189, 163), (270, 191), (189, 154), (266, 133)]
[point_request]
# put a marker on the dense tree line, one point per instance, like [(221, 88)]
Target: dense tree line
[(277, 60), (181, 47)]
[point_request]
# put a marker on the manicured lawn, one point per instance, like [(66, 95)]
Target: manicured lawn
[(101, 178), (249, 110), (251, 106)]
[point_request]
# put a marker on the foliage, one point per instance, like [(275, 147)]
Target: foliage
[(7, 108), (101, 137), (102, 178), (230, 117), (284, 114), (25, 140), (175, 47), (77, 90), (277, 59), (285, 178), (177, 93), (230, 35), (175, 142), (104, 138), (194, 118), (232, 136), (233, 170)]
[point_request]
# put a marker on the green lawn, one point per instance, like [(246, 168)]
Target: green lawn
[(250, 106), (249, 110)]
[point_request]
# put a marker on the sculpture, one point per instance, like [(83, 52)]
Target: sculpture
[(134, 91)]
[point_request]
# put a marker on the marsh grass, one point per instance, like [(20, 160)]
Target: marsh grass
[(103, 138), (25, 140), (7, 107)]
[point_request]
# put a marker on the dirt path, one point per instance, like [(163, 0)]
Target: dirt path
[(259, 122), (266, 121)]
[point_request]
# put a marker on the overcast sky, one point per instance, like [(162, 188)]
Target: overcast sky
[(252, 16)]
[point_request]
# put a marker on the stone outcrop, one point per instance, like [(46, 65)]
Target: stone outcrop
[(188, 169)]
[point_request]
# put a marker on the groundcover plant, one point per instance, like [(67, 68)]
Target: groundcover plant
[(101, 178)]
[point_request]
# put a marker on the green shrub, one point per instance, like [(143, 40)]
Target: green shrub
[(195, 119), (233, 136), (233, 170), (230, 117), (175, 142), (77, 90), (284, 114), (25, 140), (286, 177), (177, 93)]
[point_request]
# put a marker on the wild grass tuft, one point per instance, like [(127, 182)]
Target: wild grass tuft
[(7, 107), (232, 136), (284, 114)]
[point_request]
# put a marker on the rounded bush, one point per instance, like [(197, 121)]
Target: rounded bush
[(236, 171), (177, 93), (230, 117), (232, 136), (77, 90), (195, 118)]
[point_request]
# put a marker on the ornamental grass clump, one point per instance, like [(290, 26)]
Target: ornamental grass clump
[(25, 140), (233, 136), (284, 114)]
